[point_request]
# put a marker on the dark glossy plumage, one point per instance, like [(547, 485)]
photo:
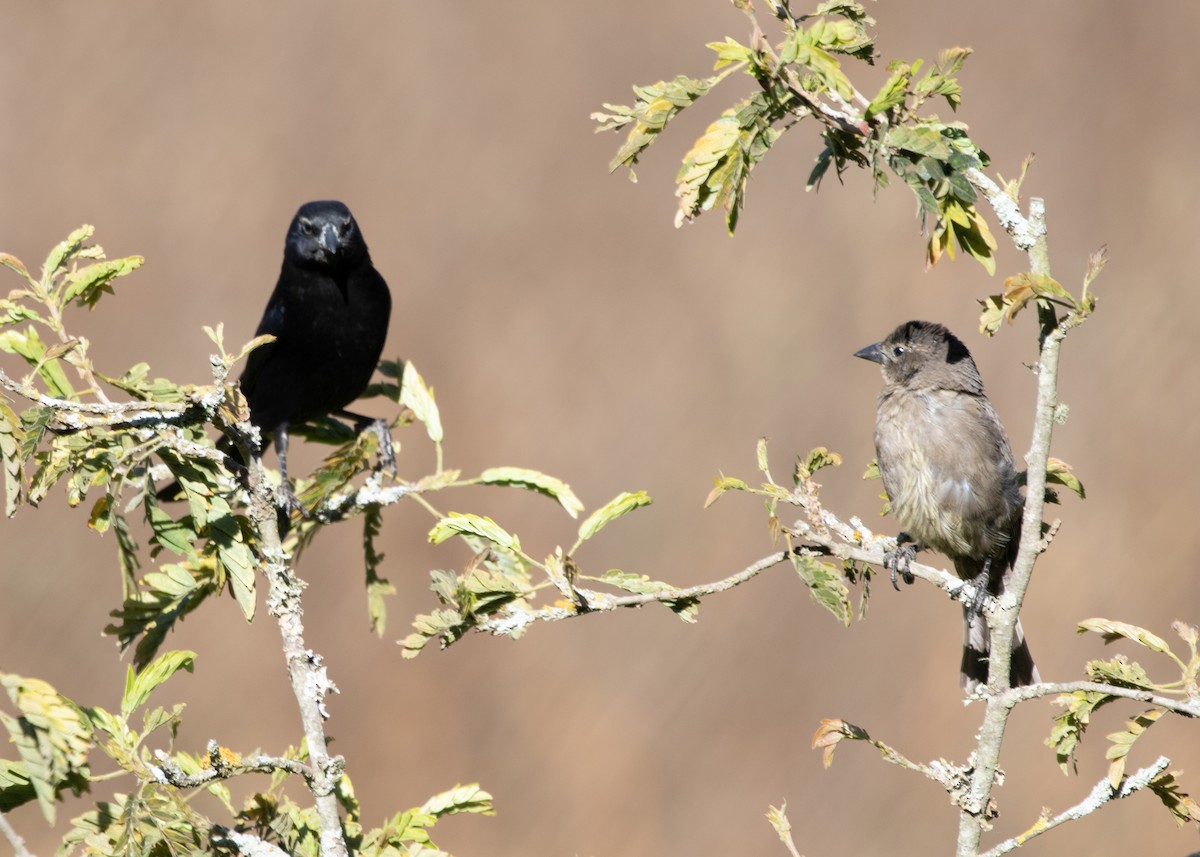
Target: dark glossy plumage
[(329, 315), (949, 471)]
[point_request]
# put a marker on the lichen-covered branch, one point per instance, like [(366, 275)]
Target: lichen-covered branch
[(509, 622), (1003, 621), (1102, 793), (221, 768), (310, 682)]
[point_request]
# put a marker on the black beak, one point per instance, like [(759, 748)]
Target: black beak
[(872, 352), (329, 238)]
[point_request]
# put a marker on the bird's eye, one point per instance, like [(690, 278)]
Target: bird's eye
[(307, 227), (898, 350)]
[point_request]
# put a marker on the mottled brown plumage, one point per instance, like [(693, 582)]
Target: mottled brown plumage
[(949, 473)]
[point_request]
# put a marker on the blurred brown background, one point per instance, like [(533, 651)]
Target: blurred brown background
[(568, 327)]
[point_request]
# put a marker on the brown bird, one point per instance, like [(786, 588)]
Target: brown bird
[(948, 471)]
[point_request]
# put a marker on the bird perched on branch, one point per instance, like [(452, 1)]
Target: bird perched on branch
[(949, 473), (329, 316)]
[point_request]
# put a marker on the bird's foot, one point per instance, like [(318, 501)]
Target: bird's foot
[(980, 582), (899, 558), (387, 452), (383, 433), (287, 502)]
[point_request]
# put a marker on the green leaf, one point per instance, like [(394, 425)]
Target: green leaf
[(1111, 630), (138, 686), (656, 105), (158, 601), (29, 346), (225, 531), (722, 484), (378, 588), (51, 736), (622, 504), (825, 584), (176, 536), (445, 624), (921, 140), (730, 51), (1121, 672), (893, 92), (87, 284), (1183, 809), (1058, 472), (13, 263), (469, 798), (64, 251), (532, 480), (12, 437), (456, 524), (418, 398), (1122, 743), (779, 820), (134, 382), (16, 789), (817, 458), (1071, 724), (717, 167), (640, 584), (760, 454)]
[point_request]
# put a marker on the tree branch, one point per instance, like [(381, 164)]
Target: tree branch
[(1189, 707), (507, 621), (78, 416), (221, 768), (310, 682), (14, 838), (1003, 622), (1101, 794)]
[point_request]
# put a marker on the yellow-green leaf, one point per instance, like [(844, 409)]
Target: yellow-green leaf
[(1112, 630), (456, 524), (418, 397), (622, 504), (535, 481)]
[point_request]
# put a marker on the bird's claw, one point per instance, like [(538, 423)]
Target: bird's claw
[(899, 558), (287, 502), (387, 452), (980, 582)]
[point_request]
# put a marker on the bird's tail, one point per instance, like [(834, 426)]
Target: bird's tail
[(976, 648)]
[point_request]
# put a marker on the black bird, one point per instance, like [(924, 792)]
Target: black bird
[(329, 316), (949, 473)]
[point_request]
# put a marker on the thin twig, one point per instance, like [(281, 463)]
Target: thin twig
[(1102, 793), (1188, 707), (509, 620), (78, 416), (222, 769), (14, 838)]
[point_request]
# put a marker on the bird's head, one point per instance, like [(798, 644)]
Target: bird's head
[(324, 234), (922, 354)]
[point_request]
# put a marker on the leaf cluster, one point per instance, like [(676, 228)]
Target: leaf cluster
[(826, 581), (56, 739), (1121, 672), (116, 453), (801, 75)]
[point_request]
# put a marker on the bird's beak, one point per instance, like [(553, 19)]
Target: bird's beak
[(872, 352), (329, 238)]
